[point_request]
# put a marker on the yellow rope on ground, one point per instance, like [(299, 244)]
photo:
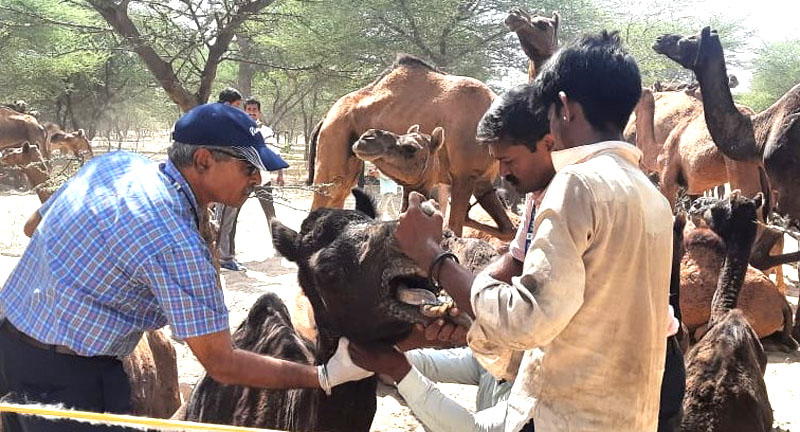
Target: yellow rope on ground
[(123, 420)]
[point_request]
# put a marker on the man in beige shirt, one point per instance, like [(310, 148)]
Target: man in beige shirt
[(589, 309)]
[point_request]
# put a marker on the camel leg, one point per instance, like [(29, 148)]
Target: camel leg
[(335, 164), (796, 329), (443, 197), (769, 245), (339, 192), (461, 191), (669, 184), (777, 249), (495, 208)]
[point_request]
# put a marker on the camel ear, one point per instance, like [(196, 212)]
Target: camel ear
[(413, 129), (710, 46), (437, 139), (81, 133), (556, 20), (759, 200), (365, 203), (26, 147), (285, 240)]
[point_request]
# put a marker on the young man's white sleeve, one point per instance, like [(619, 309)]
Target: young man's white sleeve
[(442, 414), (456, 365)]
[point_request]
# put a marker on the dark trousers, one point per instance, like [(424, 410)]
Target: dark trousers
[(673, 386), (30, 374)]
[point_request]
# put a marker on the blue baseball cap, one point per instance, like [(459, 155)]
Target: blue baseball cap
[(220, 125)]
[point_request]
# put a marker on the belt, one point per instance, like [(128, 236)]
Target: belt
[(8, 327)]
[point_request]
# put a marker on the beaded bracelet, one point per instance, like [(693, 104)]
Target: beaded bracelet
[(437, 261)]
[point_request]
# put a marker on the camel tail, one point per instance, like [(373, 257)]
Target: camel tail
[(312, 152)]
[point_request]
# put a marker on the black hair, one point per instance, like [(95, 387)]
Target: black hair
[(229, 95), (516, 116), (253, 101), (597, 73)]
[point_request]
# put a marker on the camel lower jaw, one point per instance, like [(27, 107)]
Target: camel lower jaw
[(369, 157)]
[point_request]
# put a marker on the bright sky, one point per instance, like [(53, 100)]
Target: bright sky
[(773, 20)]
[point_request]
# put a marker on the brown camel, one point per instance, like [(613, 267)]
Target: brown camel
[(75, 143), (411, 92), (29, 160), (760, 300), (770, 138), (411, 161), (15, 128), (683, 152), (537, 35), (725, 389), (152, 371)]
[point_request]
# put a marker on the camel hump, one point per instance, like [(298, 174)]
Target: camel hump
[(407, 60)]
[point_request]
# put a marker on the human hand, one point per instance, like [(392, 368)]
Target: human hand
[(381, 359), (279, 179), (446, 332), (341, 368), (418, 234), (439, 333)]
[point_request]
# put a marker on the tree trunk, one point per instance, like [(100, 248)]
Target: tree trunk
[(246, 70)]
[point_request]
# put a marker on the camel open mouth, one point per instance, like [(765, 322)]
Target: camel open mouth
[(413, 290), (419, 302)]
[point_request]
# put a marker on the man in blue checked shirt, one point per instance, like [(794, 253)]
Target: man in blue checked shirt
[(119, 250)]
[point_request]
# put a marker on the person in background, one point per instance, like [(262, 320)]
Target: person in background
[(589, 309), (252, 107)]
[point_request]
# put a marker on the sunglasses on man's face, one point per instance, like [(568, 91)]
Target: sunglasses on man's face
[(250, 169)]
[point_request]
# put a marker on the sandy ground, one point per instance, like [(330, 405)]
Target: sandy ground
[(266, 272)]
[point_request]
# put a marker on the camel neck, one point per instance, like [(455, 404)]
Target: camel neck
[(37, 177), (731, 130), (429, 177), (731, 276), (645, 132)]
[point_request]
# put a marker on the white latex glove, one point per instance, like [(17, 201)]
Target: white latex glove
[(340, 367)]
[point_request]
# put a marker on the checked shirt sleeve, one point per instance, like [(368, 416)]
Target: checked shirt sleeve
[(185, 284)]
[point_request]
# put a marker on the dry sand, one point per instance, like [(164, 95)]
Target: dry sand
[(266, 272)]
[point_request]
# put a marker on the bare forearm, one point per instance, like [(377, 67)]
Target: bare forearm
[(505, 268), (254, 370), (32, 223), (457, 281)]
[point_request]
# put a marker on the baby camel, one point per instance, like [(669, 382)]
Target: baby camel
[(725, 389)]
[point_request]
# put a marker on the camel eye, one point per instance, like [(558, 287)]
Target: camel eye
[(409, 149), (328, 275)]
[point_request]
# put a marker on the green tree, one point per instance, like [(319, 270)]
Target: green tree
[(776, 69)]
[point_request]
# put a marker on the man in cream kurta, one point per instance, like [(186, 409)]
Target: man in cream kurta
[(588, 309)]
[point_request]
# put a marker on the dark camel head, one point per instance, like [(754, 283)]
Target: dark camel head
[(734, 216), (407, 159), (350, 268), (22, 156), (694, 52), (537, 35)]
